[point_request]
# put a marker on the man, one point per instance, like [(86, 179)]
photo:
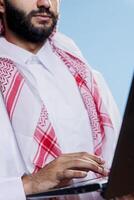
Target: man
[(58, 120)]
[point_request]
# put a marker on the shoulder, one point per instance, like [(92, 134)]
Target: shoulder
[(99, 78), (108, 99), (102, 85)]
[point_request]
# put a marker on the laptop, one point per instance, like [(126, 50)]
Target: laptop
[(121, 178)]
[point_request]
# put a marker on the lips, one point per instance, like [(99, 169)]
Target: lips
[(44, 17)]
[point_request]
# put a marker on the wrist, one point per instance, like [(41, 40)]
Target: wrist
[(27, 184)]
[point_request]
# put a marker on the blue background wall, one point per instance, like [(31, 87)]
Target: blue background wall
[(104, 31)]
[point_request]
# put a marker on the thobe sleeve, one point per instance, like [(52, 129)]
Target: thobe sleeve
[(11, 163), (11, 189)]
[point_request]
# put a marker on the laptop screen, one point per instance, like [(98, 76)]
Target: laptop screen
[(121, 179)]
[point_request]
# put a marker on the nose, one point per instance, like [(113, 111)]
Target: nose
[(44, 3)]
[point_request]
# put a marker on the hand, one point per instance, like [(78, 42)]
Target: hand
[(61, 170), (127, 197)]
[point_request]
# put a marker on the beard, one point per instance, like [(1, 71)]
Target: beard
[(21, 24)]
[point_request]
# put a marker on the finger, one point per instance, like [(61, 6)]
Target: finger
[(103, 171), (80, 164), (84, 155), (95, 158), (90, 162), (70, 174)]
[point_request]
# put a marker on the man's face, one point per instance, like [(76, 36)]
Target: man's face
[(31, 20)]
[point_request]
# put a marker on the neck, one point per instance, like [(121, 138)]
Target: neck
[(29, 46)]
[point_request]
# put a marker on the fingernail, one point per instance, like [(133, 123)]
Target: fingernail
[(84, 174), (103, 171), (102, 160), (106, 172)]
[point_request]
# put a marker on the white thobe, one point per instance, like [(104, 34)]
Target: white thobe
[(58, 90)]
